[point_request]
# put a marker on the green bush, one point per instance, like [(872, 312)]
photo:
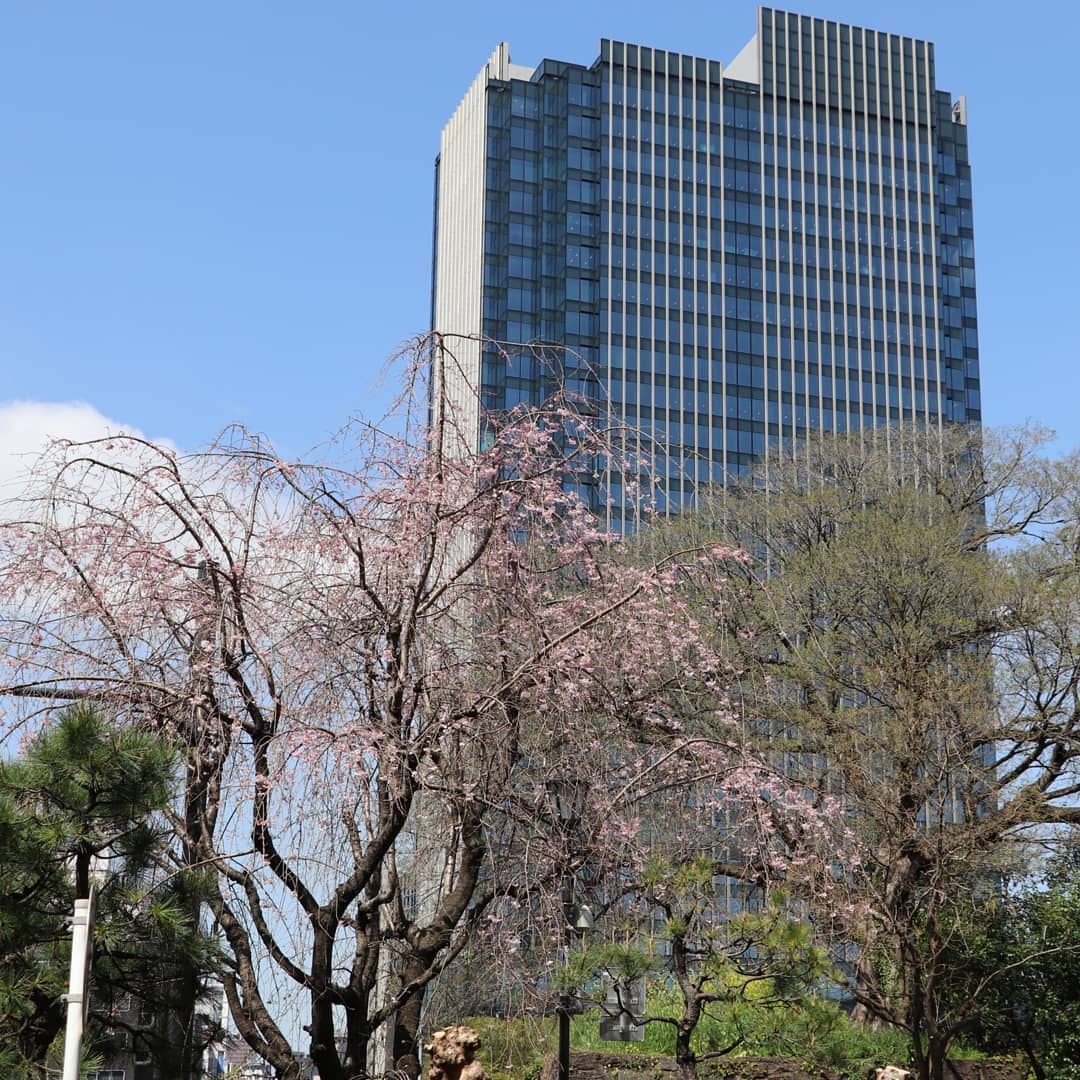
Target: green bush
[(815, 1031), (514, 1049)]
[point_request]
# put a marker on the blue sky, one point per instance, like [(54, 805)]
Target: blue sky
[(222, 211)]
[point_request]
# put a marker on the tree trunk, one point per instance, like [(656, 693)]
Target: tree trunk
[(289, 1072), (922, 1060), (188, 1063), (49, 1017), (935, 1055), (406, 1052), (865, 980), (1029, 1053), (358, 1040), (685, 1058), (201, 766)]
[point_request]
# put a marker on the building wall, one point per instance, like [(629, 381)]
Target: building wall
[(457, 255), (725, 263)]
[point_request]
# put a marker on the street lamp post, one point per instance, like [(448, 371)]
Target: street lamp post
[(563, 1012), (578, 918), (78, 995)]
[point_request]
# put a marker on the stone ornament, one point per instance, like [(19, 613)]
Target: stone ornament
[(452, 1051)]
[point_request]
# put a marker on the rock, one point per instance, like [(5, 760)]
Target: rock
[(892, 1072), (452, 1051)]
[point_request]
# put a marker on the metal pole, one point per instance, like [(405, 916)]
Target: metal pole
[(563, 1013), (566, 895), (78, 993)]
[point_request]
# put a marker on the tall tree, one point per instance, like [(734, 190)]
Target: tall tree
[(909, 648), (1011, 969), (83, 807), (375, 664)]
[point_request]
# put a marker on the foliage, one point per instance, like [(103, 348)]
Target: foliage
[(908, 651), (378, 664), (814, 1031), (82, 806), (514, 1049), (1020, 952), (720, 962)]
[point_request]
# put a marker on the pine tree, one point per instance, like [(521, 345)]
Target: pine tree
[(82, 808)]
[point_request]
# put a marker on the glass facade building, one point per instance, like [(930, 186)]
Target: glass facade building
[(733, 255)]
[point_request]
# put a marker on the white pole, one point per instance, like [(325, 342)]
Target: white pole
[(78, 993)]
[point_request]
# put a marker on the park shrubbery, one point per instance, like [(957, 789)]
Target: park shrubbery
[(815, 1032)]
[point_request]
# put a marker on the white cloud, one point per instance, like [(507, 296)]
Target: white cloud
[(27, 426)]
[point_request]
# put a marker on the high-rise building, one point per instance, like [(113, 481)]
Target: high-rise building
[(733, 255)]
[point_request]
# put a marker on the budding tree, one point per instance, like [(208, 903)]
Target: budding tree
[(375, 663), (910, 647)]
